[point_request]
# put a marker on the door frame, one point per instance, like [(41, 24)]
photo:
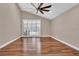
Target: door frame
[(28, 35)]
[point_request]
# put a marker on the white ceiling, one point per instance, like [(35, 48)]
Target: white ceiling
[(56, 9)]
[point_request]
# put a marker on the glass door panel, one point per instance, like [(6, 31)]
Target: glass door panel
[(31, 27)]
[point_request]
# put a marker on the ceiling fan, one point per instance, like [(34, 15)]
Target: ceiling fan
[(42, 8)]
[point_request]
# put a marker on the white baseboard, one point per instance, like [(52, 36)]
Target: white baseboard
[(44, 36), (7, 43), (72, 46), (36, 36)]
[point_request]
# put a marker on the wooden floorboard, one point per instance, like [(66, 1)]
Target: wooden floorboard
[(38, 46)]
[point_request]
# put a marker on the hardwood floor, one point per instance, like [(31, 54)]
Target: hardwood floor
[(40, 46)]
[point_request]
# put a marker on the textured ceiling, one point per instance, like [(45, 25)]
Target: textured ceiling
[(56, 9)]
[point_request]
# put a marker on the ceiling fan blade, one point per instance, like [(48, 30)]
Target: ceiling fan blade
[(46, 7), (41, 11), (46, 10), (40, 5)]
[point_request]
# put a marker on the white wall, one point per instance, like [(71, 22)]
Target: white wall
[(45, 23), (66, 27), (9, 22)]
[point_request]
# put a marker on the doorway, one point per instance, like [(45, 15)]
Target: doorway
[(31, 27)]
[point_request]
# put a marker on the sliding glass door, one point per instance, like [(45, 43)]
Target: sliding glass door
[(31, 27)]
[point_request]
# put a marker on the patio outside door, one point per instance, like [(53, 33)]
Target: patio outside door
[(32, 27)]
